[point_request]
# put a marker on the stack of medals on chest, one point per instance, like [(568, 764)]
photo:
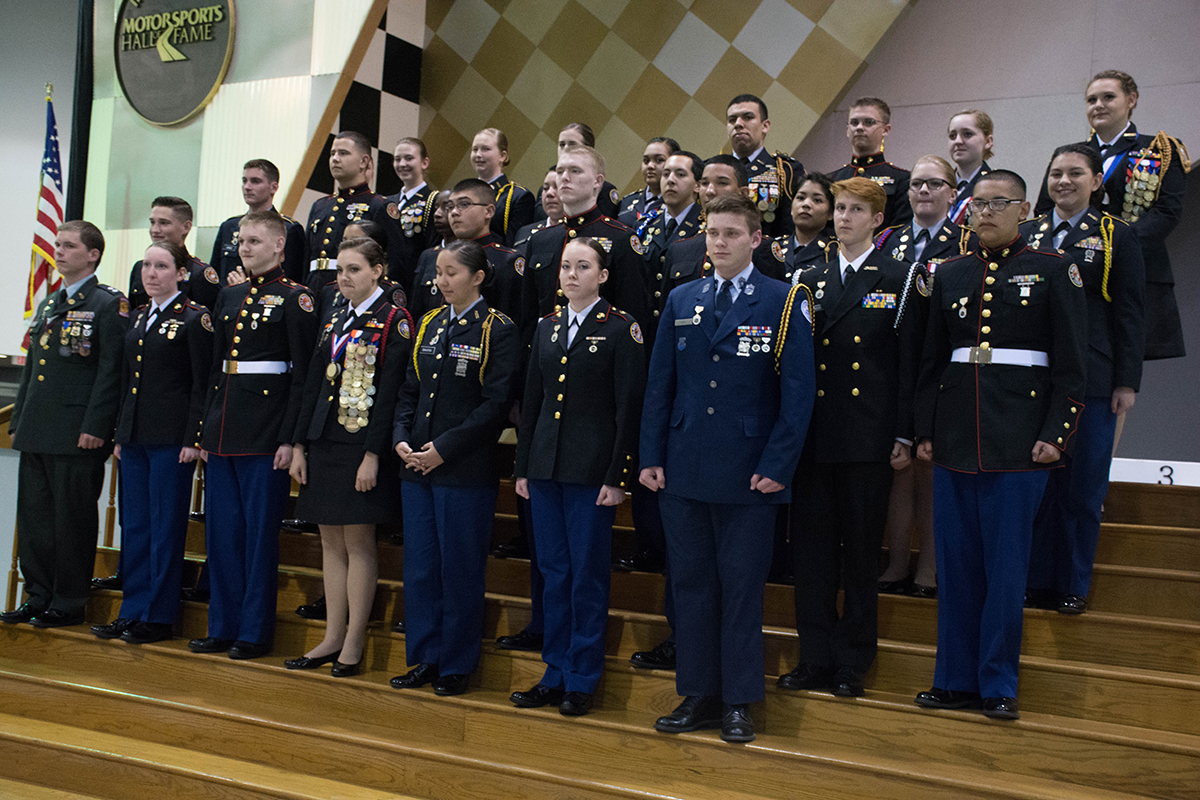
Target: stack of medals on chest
[(358, 383), (1141, 184)]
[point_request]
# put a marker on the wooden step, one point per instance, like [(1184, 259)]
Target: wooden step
[(1151, 592), (1150, 504), (1157, 546), (810, 746), (18, 790)]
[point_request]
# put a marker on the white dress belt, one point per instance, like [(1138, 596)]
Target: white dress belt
[(257, 367), (1000, 355)]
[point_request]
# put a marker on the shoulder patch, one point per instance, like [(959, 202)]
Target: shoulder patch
[(519, 265), (393, 211), (615, 196), (206, 321), (778, 251), (210, 275), (403, 329), (636, 332), (922, 285), (805, 310), (637, 245), (306, 302), (123, 307), (1076, 279)]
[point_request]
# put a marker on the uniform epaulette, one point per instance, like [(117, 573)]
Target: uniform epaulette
[(286, 218), (192, 304), (111, 289), (554, 313), (618, 312), (1105, 215), (503, 317), (291, 284), (884, 234), (615, 223)]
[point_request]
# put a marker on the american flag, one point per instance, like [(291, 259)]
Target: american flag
[(43, 278)]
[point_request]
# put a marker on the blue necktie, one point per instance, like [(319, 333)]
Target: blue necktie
[(724, 301)]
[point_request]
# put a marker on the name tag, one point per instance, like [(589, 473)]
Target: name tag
[(466, 351), (879, 300), (428, 350), (686, 321)]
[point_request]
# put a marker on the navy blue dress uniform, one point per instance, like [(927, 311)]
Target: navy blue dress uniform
[(1109, 258), (264, 337), (795, 259), (626, 285), (774, 181), (164, 382), (70, 384), (636, 205), (579, 424), (225, 258), (201, 285), (1002, 368), (456, 394), (725, 401), (514, 208), (502, 293), (349, 404), (944, 241), (410, 231), (867, 341), (961, 207), (1144, 184), (893, 179), (327, 221)]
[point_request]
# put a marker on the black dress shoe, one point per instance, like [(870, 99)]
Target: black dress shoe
[(923, 591), (693, 714), (242, 650), (896, 587), (198, 516), (340, 670), (450, 685), (946, 698), (525, 640), (304, 662), (53, 618), (1001, 708), (114, 629), (111, 582), (1072, 604), (148, 633), (806, 676), (195, 594), (313, 610), (661, 657), (643, 561), (416, 677), (517, 547), (26, 612), (398, 627), (540, 695), (300, 525), (575, 704), (1040, 599), (210, 644), (847, 682), (736, 725)]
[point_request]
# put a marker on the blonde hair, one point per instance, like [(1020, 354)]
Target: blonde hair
[(943, 167), (982, 121)]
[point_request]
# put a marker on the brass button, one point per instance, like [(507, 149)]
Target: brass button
[(993, 266), (986, 329), (990, 280), (41, 377), (987, 296), (131, 391), (854, 392), (821, 367), (1060, 440), (557, 414), (139, 342), (239, 326), (564, 360), (1074, 409), (858, 340), (1024, 302), (1067, 425), (233, 353), (820, 392), (711, 410), (984, 345), (253, 290), (439, 356), (854, 365), (331, 398), (716, 357), (137, 374), (987, 312), (825, 342), (712, 384), (265, 391), (560, 397), (1033, 394), (562, 378), (237, 339), (42, 361), (435, 376)]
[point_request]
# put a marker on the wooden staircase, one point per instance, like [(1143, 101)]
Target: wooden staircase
[(1110, 700)]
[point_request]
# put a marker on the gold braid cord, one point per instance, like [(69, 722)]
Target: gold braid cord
[(507, 203), (487, 340), (425, 320), (1167, 145), (1106, 235), (785, 321), (964, 236)]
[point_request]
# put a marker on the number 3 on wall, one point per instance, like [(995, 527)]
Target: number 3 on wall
[(1168, 475)]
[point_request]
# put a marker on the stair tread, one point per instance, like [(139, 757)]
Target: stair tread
[(19, 790)]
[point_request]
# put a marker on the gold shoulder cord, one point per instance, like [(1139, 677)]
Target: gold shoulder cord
[(486, 342), (786, 320), (507, 203), (964, 235), (830, 245), (1106, 234), (425, 320)]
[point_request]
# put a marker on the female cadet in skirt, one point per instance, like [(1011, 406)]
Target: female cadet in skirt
[(342, 457), (579, 432), (168, 355), (452, 407)]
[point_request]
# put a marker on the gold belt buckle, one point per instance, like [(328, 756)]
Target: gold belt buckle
[(322, 263), (980, 355)]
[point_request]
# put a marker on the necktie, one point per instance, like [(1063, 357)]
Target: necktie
[(847, 276), (671, 225), (61, 297), (724, 300), (1060, 233), (919, 244), (572, 329), (150, 317), (963, 184), (351, 315)]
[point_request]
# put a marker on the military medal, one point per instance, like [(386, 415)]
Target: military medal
[(45, 340), (962, 307), (696, 318), (331, 371)]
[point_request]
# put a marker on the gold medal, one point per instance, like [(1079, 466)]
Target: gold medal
[(331, 371), (352, 425), (769, 216)]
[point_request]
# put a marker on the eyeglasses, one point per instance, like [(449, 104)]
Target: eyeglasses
[(463, 205), (997, 205), (933, 183)]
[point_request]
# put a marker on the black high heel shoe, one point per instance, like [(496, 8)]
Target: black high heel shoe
[(340, 670), (304, 662), (896, 587)]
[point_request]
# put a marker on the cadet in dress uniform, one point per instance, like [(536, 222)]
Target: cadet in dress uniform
[(471, 210), (867, 340), (260, 181), (514, 204), (970, 136), (635, 204), (409, 212), (580, 176), (62, 422), (773, 178), (728, 400), (168, 356), (170, 221), (349, 482), (868, 125), (1143, 184), (349, 164), (452, 407), (1109, 259), (579, 430), (676, 218), (997, 405), (579, 134), (551, 205), (265, 331), (927, 241), (812, 243)]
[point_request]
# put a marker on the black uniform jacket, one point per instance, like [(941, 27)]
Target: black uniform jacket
[(527, 231), (201, 285), (774, 181), (410, 231), (387, 327), (514, 209), (652, 233), (893, 179), (867, 348), (164, 379), (1109, 258), (269, 318), (960, 209), (988, 417), (327, 221), (795, 260), (71, 381), (457, 393), (625, 288), (947, 241), (1164, 331), (634, 206), (608, 201), (503, 293), (225, 257), (583, 405)]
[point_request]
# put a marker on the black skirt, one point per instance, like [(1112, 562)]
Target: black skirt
[(329, 497)]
